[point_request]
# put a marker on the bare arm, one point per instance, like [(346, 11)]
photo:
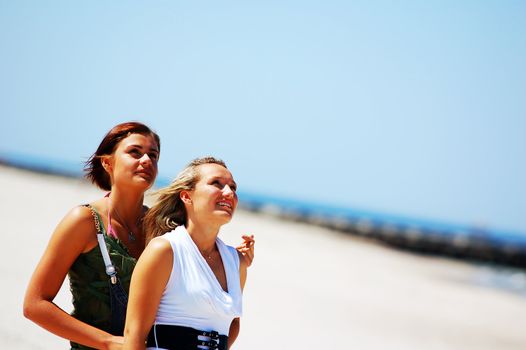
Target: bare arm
[(233, 332), (73, 235), (148, 282), (243, 265)]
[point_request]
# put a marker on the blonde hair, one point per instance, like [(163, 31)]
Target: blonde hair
[(169, 211)]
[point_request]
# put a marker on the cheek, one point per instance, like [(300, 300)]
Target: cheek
[(122, 162), (203, 195)]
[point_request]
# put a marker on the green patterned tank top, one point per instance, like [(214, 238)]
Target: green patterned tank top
[(89, 283)]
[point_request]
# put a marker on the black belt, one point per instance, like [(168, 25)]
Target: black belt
[(184, 338)]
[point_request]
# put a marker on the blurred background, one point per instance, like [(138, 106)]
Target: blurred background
[(403, 122)]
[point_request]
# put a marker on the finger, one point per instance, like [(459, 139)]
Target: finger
[(249, 251), (244, 251), (247, 241), (248, 245)]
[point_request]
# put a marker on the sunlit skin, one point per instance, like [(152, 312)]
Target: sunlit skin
[(134, 161), (215, 199), (132, 168), (133, 165), (211, 204)]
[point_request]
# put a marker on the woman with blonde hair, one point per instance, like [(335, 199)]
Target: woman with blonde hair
[(186, 290), (97, 244)]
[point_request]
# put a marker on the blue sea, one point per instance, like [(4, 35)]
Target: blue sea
[(318, 213)]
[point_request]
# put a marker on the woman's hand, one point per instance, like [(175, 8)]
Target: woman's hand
[(247, 248)]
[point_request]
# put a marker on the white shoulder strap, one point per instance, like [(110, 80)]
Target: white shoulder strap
[(110, 268)]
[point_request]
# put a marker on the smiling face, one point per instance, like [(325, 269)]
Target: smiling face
[(134, 161), (214, 198)]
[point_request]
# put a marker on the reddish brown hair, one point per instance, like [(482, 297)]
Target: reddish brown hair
[(93, 166)]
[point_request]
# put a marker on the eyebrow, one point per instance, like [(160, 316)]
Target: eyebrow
[(221, 178), (140, 146)]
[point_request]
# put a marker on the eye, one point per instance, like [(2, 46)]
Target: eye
[(135, 153), (233, 187), (217, 184), (153, 156)]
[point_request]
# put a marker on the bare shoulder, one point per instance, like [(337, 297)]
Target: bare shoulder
[(158, 248), (80, 213), (160, 243), (154, 264), (82, 218), (77, 227), (74, 235)]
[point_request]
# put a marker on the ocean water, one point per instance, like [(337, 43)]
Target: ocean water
[(344, 218)]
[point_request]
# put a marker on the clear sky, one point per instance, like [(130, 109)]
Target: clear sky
[(415, 108)]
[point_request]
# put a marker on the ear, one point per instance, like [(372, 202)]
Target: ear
[(185, 197), (106, 163)]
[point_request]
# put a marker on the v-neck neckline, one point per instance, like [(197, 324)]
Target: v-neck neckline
[(202, 261)]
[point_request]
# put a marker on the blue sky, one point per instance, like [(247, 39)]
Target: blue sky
[(414, 108)]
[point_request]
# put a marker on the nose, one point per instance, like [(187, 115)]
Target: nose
[(228, 192), (145, 159)]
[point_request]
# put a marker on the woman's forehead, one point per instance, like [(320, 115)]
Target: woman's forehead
[(145, 140), (214, 170)]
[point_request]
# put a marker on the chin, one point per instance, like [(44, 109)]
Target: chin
[(226, 218), (147, 183)]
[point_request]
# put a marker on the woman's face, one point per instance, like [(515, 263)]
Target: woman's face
[(214, 197), (134, 161)]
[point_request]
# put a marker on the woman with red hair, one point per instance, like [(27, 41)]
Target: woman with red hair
[(97, 244)]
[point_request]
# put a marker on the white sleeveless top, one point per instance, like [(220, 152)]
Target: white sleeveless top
[(193, 296)]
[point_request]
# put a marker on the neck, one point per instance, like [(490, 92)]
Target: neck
[(204, 236), (128, 204)]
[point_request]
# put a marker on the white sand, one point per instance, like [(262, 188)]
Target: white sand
[(309, 288)]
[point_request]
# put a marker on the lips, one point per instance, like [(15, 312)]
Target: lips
[(227, 205), (145, 173)]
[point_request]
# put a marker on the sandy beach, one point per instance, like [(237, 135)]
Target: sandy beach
[(309, 287)]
